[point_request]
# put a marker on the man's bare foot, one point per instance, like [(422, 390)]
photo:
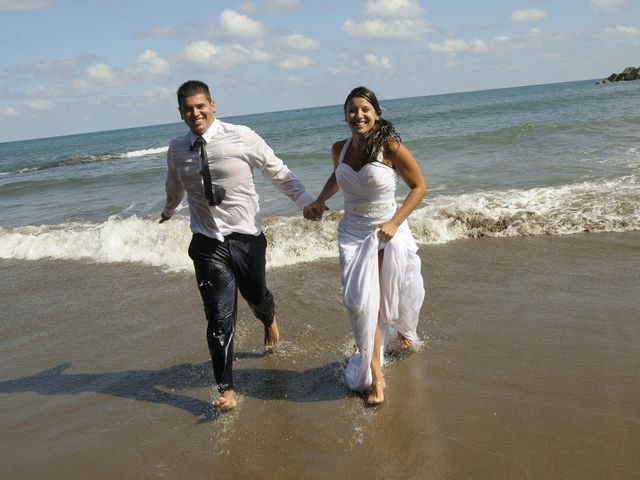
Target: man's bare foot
[(405, 343), (226, 401), (376, 397), (271, 336)]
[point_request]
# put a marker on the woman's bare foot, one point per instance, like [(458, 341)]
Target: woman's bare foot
[(226, 401), (376, 397), (271, 336), (405, 343)]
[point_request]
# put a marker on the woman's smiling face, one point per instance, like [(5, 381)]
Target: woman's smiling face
[(361, 116)]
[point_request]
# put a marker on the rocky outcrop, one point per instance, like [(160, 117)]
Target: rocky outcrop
[(629, 73)]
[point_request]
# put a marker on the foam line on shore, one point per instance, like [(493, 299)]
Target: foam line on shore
[(604, 206)]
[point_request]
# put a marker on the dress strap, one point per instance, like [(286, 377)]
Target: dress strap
[(344, 150)]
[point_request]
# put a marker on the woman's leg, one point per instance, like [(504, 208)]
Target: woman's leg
[(377, 385)]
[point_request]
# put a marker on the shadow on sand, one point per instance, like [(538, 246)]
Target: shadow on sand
[(161, 386)]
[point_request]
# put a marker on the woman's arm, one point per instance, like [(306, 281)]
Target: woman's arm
[(407, 167), (316, 209)]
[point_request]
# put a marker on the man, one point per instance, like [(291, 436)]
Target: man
[(228, 247)]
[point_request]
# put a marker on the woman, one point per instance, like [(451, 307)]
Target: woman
[(382, 285)]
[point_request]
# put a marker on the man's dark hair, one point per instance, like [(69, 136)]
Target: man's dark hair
[(191, 88)]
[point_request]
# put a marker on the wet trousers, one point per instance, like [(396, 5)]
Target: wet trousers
[(223, 268)]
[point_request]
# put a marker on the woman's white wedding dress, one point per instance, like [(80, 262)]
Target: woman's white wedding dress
[(391, 298)]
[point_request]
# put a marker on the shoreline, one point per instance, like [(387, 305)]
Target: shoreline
[(529, 370)]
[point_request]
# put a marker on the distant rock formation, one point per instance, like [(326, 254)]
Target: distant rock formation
[(629, 73)]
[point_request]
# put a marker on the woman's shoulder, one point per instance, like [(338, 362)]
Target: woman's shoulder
[(339, 144), (391, 145), (390, 151), (337, 147)]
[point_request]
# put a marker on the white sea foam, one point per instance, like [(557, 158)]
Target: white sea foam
[(131, 239), (145, 152), (603, 206)]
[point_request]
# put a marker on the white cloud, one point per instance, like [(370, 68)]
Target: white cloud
[(341, 70), (622, 31), (151, 64), (455, 46), (294, 79), (201, 53), (6, 112), (284, 5), (398, 29), (527, 16), (41, 91), (294, 62), (608, 5), (501, 39), (58, 70), (247, 7), (374, 61), (206, 54), (40, 105), (238, 25), (393, 9), (504, 43), (103, 74), (296, 41), (159, 93), (390, 20), (26, 4)]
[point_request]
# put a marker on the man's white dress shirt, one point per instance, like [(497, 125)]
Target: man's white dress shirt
[(233, 152)]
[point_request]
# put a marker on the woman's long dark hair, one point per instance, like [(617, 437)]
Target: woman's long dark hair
[(373, 140)]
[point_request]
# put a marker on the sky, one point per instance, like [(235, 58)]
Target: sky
[(76, 66)]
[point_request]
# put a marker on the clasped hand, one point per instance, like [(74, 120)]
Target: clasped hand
[(314, 211)]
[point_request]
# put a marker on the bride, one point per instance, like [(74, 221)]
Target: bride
[(382, 284)]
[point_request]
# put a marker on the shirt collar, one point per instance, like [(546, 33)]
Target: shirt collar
[(208, 134)]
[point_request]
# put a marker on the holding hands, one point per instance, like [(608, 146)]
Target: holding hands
[(314, 211)]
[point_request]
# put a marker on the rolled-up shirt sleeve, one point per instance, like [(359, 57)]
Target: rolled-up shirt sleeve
[(274, 169)]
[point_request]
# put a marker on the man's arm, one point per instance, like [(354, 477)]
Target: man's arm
[(274, 169), (173, 188)]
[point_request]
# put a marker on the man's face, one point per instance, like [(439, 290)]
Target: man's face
[(198, 113)]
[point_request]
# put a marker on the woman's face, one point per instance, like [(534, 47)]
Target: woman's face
[(360, 116)]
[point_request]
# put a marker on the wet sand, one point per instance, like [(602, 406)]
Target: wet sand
[(531, 369)]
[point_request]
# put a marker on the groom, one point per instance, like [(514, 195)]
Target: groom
[(213, 163)]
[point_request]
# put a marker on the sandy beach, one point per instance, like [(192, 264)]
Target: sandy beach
[(530, 370)]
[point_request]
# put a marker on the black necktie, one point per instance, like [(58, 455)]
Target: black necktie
[(204, 169)]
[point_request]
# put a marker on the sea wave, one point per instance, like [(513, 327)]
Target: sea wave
[(604, 206), (86, 158), (595, 206), (144, 152)]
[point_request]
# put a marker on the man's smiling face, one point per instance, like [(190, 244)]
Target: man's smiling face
[(198, 112)]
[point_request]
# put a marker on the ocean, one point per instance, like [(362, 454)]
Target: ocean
[(530, 248), (548, 159)]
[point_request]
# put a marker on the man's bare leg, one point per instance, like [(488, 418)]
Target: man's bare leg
[(376, 397), (271, 336), (226, 401)]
